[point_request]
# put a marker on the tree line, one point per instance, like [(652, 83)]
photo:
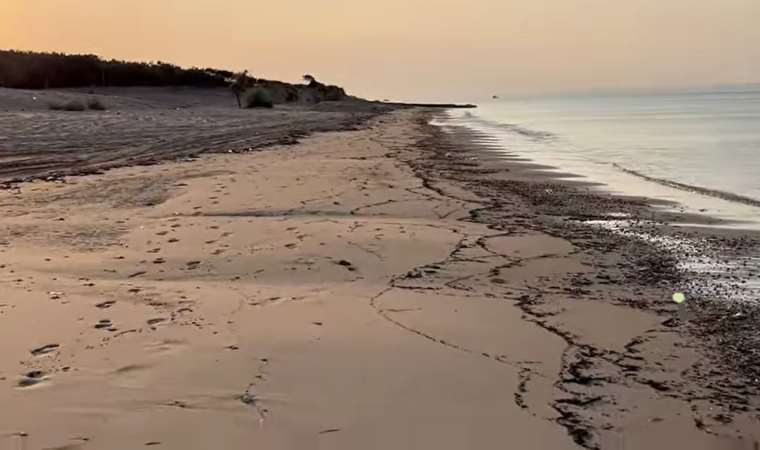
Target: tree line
[(33, 70)]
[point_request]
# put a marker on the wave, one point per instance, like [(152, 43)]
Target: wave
[(537, 135), (729, 196), (547, 137)]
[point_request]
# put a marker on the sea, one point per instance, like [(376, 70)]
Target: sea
[(698, 149)]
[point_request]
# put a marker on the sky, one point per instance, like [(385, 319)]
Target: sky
[(426, 50)]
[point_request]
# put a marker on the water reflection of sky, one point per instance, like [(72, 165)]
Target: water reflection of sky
[(708, 140)]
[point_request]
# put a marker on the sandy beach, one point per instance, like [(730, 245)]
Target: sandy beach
[(389, 286)]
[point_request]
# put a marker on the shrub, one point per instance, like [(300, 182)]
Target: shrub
[(71, 105), (258, 97), (95, 105)]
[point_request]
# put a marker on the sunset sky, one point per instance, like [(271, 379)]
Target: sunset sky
[(415, 49)]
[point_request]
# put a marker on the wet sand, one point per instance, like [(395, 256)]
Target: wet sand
[(388, 287)]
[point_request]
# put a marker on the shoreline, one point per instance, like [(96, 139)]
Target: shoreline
[(714, 264), (715, 205), (388, 287), (561, 207), (726, 326)]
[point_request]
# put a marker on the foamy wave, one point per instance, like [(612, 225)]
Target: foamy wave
[(730, 196), (536, 135)]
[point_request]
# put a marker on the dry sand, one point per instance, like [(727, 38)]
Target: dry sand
[(148, 125), (342, 293)]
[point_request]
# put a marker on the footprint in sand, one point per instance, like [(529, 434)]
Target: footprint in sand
[(347, 265), (31, 378), (44, 350), (329, 430), (105, 324)]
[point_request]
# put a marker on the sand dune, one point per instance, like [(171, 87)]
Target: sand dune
[(147, 125)]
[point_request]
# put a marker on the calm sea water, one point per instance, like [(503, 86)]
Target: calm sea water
[(698, 148)]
